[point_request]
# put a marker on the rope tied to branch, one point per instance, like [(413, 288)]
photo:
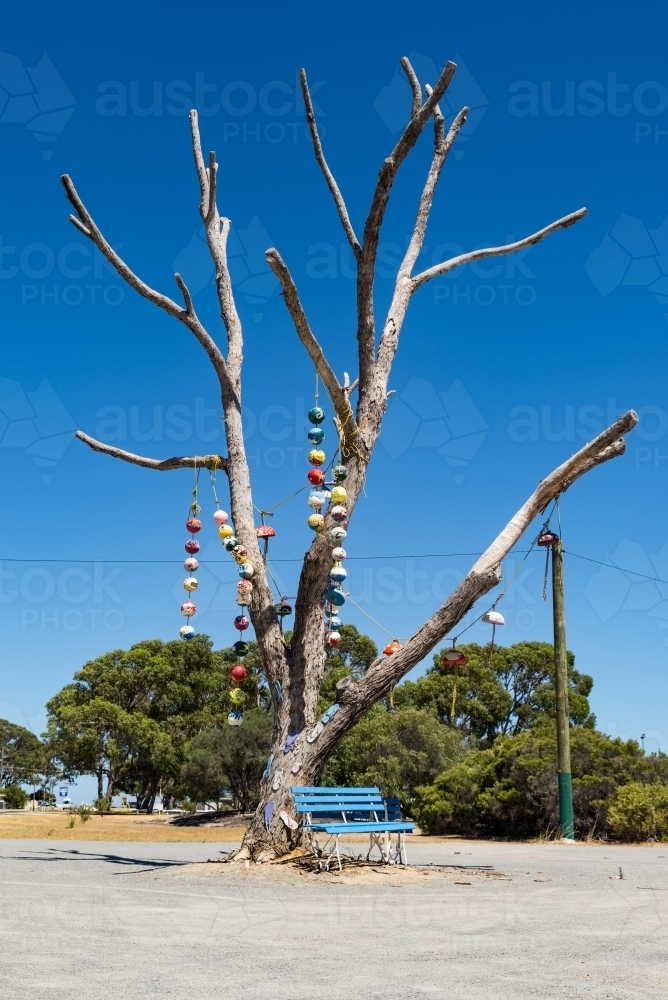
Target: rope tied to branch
[(347, 435)]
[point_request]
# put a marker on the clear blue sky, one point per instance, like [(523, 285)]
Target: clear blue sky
[(502, 371)]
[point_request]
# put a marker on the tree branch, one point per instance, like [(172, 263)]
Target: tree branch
[(403, 287), (385, 672), (160, 465), (296, 310), (411, 75), (467, 258), (329, 177), (85, 224), (374, 221)]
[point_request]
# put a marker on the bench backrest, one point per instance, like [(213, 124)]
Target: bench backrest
[(347, 803)]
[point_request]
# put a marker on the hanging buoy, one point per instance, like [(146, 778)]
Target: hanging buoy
[(316, 415), (338, 534), (244, 586), (190, 583), (316, 522), (338, 554), (265, 531), (339, 513), (340, 473), (334, 638), (334, 621), (237, 696), (230, 542), (339, 494), (337, 573), (239, 552), (246, 570), (335, 596), (547, 538), (241, 622), (454, 658), (241, 648), (282, 608), (192, 545), (316, 477), (316, 435), (191, 565), (220, 517), (225, 531), (186, 632), (238, 672), (493, 618), (235, 718), (317, 499), (317, 457), (188, 609), (193, 525), (392, 647)]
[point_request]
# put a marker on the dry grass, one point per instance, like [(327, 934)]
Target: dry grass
[(149, 829)]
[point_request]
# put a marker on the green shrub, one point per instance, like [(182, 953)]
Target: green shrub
[(84, 813), (639, 812), (510, 790), (15, 797)]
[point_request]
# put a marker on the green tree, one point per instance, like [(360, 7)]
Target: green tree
[(22, 756), (510, 789), (229, 757), (128, 715), (639, 812), (498, 692), (15, 797), (396, 750), (351, 658)]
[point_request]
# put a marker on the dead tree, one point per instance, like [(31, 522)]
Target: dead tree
[(299, 667)]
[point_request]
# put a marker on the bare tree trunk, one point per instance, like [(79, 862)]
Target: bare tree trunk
[(294, 674)]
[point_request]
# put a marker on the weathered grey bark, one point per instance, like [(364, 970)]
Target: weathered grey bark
[(299, 669)]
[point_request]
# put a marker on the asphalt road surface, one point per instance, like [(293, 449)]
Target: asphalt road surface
[(122, 920)]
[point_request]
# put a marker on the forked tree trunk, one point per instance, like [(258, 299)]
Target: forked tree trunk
[(297, 672)]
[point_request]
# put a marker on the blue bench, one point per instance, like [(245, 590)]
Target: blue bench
[(338, 811)]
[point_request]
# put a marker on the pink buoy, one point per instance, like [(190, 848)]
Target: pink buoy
[(188, 609), (220, 517)]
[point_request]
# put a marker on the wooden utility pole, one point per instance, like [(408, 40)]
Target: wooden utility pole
[(561, 690)]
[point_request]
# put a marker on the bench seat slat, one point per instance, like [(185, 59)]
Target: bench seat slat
[(362, 827)]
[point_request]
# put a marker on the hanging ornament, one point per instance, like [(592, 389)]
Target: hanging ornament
[(340, 473), (230, 542), (241, 622), (220, 517), (265, 532), (316, 457), (338, 573), (318, 498), (316, 415), (316, 477), (338, 534), (241, 648), (225, 531), (246, 570), (316, 521), (193, 526), (339, 513), (493, 618), (454, 657), (282, 609), (334, 638), (338, 554), (238, 672), (245, 587), (392, 647), (235, 718), (237, 696), (547, 540), (316, 435), (339, 494), (335, 596)]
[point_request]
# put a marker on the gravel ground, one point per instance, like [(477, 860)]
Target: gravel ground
[(123, 920)]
